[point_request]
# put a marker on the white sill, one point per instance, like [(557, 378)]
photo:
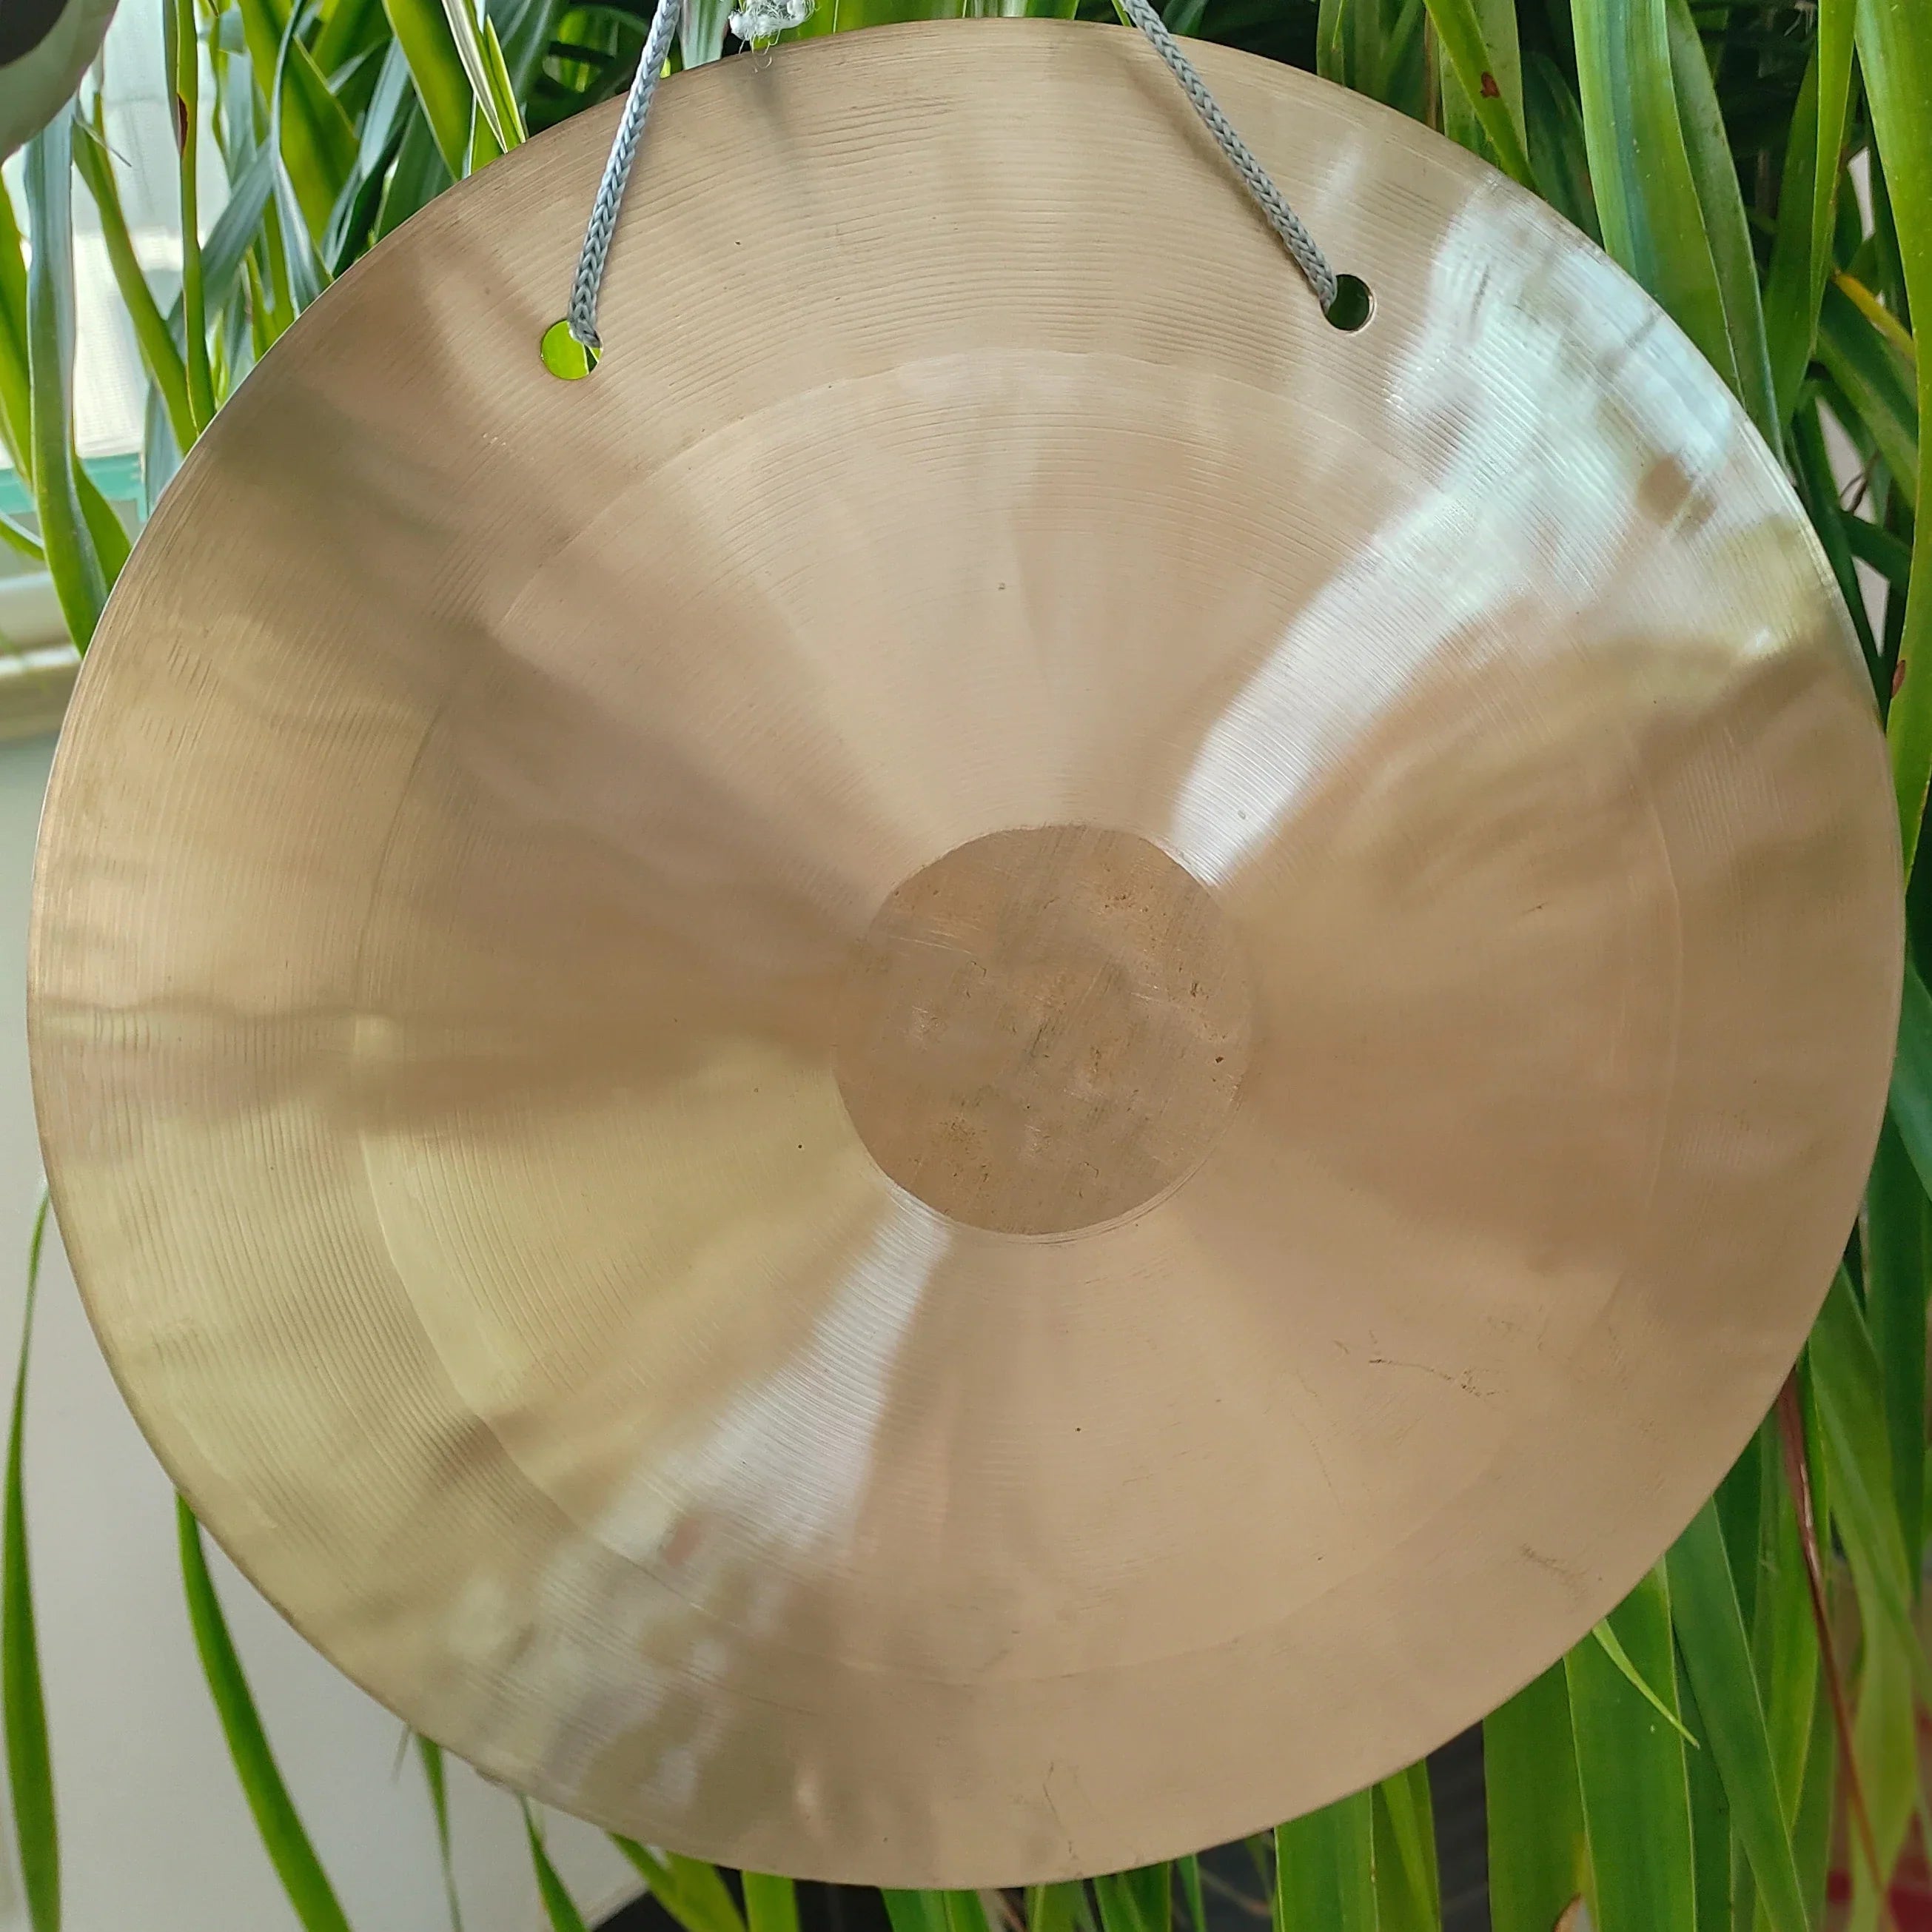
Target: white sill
[(37, 663)]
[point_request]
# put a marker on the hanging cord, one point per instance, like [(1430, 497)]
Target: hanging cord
[(1269, 199), (1256, 178), (603, 222)]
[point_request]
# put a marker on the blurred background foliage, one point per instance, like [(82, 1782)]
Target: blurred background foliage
[(1737, 1747)]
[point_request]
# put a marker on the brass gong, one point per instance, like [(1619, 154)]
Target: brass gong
[(1008, 1062)]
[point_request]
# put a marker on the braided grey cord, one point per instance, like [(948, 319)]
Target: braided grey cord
[(603, 222), (1282, 219)]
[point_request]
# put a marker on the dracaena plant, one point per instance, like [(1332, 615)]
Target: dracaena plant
[(1764, 167)]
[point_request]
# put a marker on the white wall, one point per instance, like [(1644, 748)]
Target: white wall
[(155, 1837)]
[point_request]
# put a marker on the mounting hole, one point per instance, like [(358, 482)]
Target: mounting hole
[(1354, 302), (564, 355)]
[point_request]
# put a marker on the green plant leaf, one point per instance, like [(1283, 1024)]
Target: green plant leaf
[(1188, 1870), (73, 561), (15, 403), (1325, 1869), (691, 1891), (183, 66), (349, 29), (21, 541), (286, 225), (700, 32), (913, 1911), (964, 1912), (429, 1756), (1858, 1455), (1356, 47), (1785, 1643), (29, 1759), (1715, 174), (1811, 467), (112, 543), (422, 31), (165, 367), (1898, 1263), (1874, 382), (1850, 1405), (419, 175), (1721, 1881), (1408, 1890), (161, 457), (771, 1904), (1801, 1431), (1631, 1770), (1808, 203), (1150, 1889), (1740, 1503), (482, 59), (317, 139), (1053, 1908), (1716, 1653), (1891, 557), (1646, 197), (283, 1838), (1613, 1648), (1553, 123), (1481, 48), (1535, 1810), (523, 27), (1895, 48), (1817, 1807), (560, 1910), (1882, 1738), (234, 234)]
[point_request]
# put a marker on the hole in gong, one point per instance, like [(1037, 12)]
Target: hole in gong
[(1044, 1029), (563, 356), (1354, 304)]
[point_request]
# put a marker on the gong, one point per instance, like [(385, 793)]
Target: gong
[(1009, 1062)]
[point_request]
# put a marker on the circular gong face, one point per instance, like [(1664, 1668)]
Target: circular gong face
[(1008, 1062)]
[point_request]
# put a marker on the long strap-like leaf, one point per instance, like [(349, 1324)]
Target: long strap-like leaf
[(1894, 46), (691, 1891), (72, 559), (1711, 1634), (29, 1761), (1409, 1889), (429, 1756), (1483, 58), (1898, 1266), (1535, 1815), (771, 1904), (1713, 175), (283, 1838), (559, 1908), (1792, 1433), (1631, 1771), (1646, 196), (165, 368), (1807, 203), (317, 139), (1325, 1869)]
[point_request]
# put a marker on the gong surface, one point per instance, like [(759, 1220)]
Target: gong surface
[(1007, 1062)]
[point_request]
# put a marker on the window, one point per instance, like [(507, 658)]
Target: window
[(110, 386)]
